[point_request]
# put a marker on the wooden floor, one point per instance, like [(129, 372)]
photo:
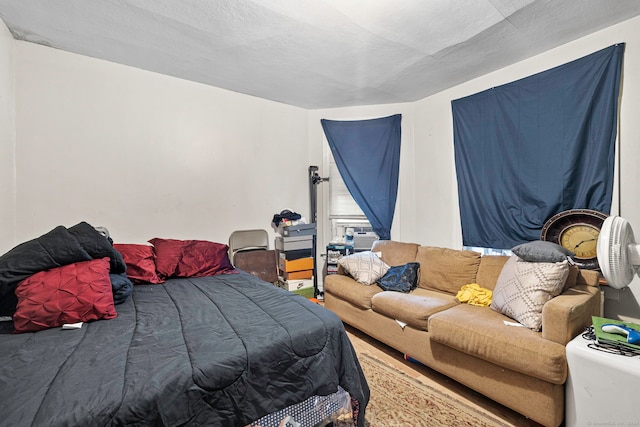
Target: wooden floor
[(367, 345)]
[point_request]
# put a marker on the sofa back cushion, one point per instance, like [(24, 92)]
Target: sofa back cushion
[(489, 270), (491, 266), (446, 269), (395, 253)]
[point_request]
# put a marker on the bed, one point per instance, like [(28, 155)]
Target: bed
[(225, 349)]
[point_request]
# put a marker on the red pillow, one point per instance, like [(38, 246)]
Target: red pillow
[(78, 292), (141, 262), (190, 258)]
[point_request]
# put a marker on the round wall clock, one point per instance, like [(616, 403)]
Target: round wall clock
[(576, 230)]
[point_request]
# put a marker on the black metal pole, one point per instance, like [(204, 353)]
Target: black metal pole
[(314, 180)]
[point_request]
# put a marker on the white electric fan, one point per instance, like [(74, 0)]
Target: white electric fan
[(618, 252)]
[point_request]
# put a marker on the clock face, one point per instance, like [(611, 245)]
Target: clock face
[(581, 239), (576, 230)]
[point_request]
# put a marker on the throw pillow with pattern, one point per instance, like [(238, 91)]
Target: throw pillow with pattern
[(524, 287), (365, 267)]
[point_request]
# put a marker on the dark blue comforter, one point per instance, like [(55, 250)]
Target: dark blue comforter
[(219, 351)]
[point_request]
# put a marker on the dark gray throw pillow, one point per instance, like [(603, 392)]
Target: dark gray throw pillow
[(401, 278), (541, 251)]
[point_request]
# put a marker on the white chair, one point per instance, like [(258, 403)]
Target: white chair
[(249, 251)]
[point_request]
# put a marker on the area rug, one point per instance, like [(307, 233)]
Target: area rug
[(398, 400)]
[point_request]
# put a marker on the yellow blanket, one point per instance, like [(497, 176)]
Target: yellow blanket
[(475, 295)]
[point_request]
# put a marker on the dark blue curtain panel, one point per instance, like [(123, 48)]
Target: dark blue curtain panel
[(532, 148), (367, 154)]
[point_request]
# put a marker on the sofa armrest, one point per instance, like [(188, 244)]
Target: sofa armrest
[(568, 314)]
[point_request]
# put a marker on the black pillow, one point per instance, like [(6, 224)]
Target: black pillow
[(401, 278), (98, 246)]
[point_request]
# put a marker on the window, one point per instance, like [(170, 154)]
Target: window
[(488, 251), (342, 204), (344, 212)]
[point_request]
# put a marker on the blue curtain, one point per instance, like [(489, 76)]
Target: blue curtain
[(367, 154), (532, 148)]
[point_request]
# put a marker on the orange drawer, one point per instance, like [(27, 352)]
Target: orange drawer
[(295, 265), (298, 275)]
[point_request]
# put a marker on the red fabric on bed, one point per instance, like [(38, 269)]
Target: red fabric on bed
[(190, 258), (78, 292), (141, 262)]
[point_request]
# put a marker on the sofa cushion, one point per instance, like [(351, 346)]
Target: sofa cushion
[(414, 308), (366, 267), (446, 269), (347, 289), (481, 332), (524, 287), (489, 270), (395, 253)]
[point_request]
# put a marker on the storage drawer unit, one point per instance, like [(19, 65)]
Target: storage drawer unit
[(296, 285), (298, 230), (294, 243), (294, 265), (297, 254), (296, 275)]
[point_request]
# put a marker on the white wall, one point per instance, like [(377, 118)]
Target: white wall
[(148, 155), (436, 185), (7, 140)]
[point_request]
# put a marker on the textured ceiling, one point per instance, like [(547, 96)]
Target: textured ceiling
[(314, 53)]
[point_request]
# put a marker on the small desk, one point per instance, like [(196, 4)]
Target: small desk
[(602, 388)]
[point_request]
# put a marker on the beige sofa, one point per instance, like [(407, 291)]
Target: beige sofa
[(515, 366)]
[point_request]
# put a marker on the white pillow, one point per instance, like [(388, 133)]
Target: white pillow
[(366, 267), (524, 287)]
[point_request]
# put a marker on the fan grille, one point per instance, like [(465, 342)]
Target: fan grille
[(613, 252)]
